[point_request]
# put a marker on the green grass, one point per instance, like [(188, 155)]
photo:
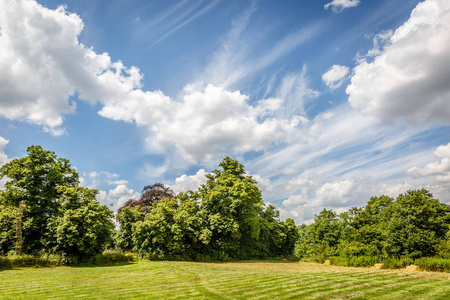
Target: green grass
[(238, 280)]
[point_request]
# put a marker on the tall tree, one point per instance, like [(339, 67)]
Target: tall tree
[(35, 179), (231, 202)]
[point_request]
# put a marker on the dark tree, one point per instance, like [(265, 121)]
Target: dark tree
[(150, 195)]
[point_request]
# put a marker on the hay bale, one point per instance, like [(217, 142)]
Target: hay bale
[(377, 266), (412, 268), (327, 262)]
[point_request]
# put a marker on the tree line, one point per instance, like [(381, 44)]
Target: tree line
[(412, 226), (44, 210)]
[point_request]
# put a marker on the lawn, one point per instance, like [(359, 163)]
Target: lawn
[(241, 280)]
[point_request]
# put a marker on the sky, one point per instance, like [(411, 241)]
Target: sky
[(325, 102)]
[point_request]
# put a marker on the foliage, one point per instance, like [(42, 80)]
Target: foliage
[(126, 218), (397, 262), (82, 227), (387, 230), (354, 261), (435, 264), (35, 179), (8, 215), (416, 223), (225, 219), (58, 215), (150, 195)]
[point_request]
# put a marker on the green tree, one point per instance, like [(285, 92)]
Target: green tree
[(35, 179), (231, 202), (415, 224), (155, 234), (126, 218), (82, 227)]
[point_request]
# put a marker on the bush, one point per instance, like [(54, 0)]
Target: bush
[(316, 259), (109, 257), (435, 264), (397, 263), (52, 260), (21, 261), (356, 261)]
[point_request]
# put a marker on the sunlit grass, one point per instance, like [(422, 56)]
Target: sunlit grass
[(241, 280)]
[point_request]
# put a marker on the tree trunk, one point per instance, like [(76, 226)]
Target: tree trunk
[(19, 237)]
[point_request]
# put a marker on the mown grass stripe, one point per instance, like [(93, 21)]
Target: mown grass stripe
[(181, 280)]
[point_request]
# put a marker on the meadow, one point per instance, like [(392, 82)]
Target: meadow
[(232, 280)]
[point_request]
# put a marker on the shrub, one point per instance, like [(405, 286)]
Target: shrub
[(20, 261), (433, 264), (356, 261), (397, 263)]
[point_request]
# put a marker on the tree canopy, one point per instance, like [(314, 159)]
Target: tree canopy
[(58, 215)]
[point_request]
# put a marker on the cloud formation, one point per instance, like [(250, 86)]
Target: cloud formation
[(3, 158), (116, 198), (335, 76), (409, 77), (339, 5), (189, 182), (44, 64), (439, 169)]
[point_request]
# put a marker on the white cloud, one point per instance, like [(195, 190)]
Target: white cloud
[(189, 182), (95, 179), (116, 198), (239, 57), (335, 76), (3, 156), (43, 64), (263, 184), (339, 5), (409, 77), (439, 169), (295, 200), (3, 159), (212, 121)]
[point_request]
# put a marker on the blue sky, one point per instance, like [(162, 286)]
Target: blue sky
[(326, 103)]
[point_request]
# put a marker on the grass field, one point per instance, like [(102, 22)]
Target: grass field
[(241, 280)]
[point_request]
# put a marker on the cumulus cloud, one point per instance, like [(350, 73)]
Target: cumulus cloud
[(116, 198), (439, 169), (408, 79), (338, 195), (212, 121), (335, 76), (339, 5), (44, 64), (3, 158), (189, 182), (263, 184)]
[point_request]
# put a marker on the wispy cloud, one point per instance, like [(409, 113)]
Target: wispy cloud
[(339, 5), (242, 54), (172, 19)]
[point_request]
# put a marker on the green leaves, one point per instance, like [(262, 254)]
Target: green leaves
[(59, 215)]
